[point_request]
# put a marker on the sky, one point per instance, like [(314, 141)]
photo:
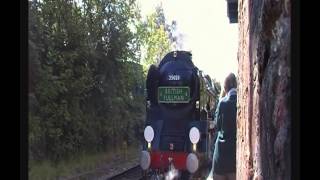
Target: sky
[(207, 32)]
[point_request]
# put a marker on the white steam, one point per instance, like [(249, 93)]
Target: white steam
[(172, 173)]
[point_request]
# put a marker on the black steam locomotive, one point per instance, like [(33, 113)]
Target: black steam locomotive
[(179, 128)]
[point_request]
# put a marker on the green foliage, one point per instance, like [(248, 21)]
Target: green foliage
[(155, 38), (217, 90), (85, 81)]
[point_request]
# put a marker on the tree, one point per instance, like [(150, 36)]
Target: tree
[(84, 76), (155, 39)]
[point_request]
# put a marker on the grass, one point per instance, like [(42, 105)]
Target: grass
[(47, 170)]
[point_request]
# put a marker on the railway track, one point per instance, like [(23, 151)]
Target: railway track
[(134, 173)]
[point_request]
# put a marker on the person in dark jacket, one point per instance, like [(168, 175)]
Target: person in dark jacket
[(224, 156)]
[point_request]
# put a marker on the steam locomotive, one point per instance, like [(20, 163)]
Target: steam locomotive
[(179, 128)]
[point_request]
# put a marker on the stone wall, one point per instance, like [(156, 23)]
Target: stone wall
[(263, 119)]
